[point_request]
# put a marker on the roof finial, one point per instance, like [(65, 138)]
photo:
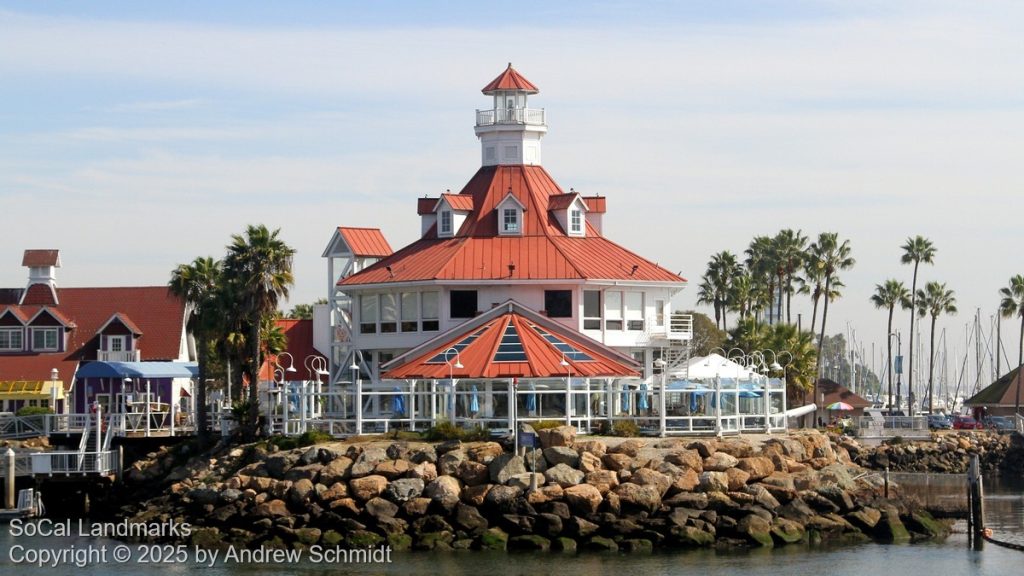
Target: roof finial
[(509, 64)]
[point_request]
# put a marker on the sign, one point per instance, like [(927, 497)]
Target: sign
[(899, 365), (527, 439)]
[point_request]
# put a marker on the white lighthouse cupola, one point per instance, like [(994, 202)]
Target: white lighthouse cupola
[(510, 131)]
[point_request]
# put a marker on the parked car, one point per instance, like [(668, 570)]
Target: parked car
[(939, 422), (998, 423), (966, 423)]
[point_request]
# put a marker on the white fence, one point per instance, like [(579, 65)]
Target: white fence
[(74, 463)]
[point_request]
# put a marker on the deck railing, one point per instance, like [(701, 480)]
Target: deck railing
[(529, 116), (119, 356), (74, 463)]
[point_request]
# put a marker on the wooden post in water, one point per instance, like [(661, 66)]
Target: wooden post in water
[(10, 480), (887, 482), (976, 520)]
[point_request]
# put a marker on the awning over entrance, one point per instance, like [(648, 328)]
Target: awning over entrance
[(138, 370), (31, 390), (511, 341)]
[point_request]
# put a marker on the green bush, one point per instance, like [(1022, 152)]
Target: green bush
[(895, 440), (33, 411), (445, 430), (622, 428), (311, 437), (546, 424)]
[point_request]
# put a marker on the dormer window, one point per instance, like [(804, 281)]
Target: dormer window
[(575, 221), (45, 339), (446, 223), (510, 221), (11, 339)]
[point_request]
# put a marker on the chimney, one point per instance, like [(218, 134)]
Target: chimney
[(42, 278)]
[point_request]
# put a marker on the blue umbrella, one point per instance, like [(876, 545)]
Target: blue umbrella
[(625, 397), (693, 403), (531, 400), (474, 401), (641, 402), (451, 399), (398, 403)]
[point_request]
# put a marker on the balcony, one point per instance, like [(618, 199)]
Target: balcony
[(527, 116), (122, 356)]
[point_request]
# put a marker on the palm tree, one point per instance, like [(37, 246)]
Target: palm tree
[(917, 250), (706, 295), (888, 295), (197, 284), (760, 262), (260, 264), (788, 249), (1013, 303), (741, 294), (829, 256), (800, 369), (723, 268), (815, 282), (935, 299)]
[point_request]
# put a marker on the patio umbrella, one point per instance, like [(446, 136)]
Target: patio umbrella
[(531, 400), (625, 397), (693, 402), (398, 403), (474, 401), (641, 401), (839, 406)]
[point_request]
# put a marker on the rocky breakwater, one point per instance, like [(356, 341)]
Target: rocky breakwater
[(592, 494), (944, 453)]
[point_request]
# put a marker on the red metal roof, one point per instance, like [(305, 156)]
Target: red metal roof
[(561, 201), (426, 205), (596, 204), (300, 345), (509, 79), (41, 258), (368, 242), (542, 252), (459, 202), (539, 339)]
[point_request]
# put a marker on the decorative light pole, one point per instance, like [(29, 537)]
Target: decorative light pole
[(357, 383), (451, 377), (661, 364), (568, 390)]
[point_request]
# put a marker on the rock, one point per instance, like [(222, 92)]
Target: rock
[(780, 479), (404, 489), (335, 491), (534, 460), (502, 498), (786, 446), (204, 496), (468, 518), (564, 544), (714, 481), (230, 495), (603, 480), (392, 469), (756, 467), (475, 495), (921, 522), (504, 466), (207, 538), (529, 542), (493, 539), (616, 462), (837, 474), (448, 463), (890, 528), (601, 544), (416, 507), (435, 541), (444, 490), (648, 477), (522, 481), (589, 463), (484, 452), (720, 462), (637, 545), (272, 509), (637, 497), (278, 464), (425, 471), (380, 508), (563, 475), (866, 518), (837, 496), (556, 455), (686, 481), (629, 447), (737, 478), (548, 525), (691, 537), (736, 447), (762, 497), (583, 499), (345, 507), (787, 532), (299, 493), (367, 487), (756, 529), (596, 447), (696, 500), (399, 542), (472, 473), (367, 461), (308, 472), (363, 539), (703, 447), (559, 436), (337, 470)]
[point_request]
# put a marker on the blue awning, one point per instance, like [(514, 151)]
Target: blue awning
[(138, 370)]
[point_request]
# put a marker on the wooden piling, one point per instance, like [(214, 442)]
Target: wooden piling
[(976, 520), (10, 480)]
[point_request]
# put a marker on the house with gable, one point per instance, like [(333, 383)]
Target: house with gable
[(513, 303), (123, 348)]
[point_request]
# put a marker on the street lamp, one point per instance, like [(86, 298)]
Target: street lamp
[(451, 375), (358, 392), (568, 389), (53, 390), (661, 364)]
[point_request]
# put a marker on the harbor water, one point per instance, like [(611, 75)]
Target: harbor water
[(1004, 510)]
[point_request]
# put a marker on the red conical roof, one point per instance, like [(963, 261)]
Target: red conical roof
[(510, 80)]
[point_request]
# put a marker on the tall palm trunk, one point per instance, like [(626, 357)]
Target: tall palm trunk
[(931, 365), (779, 315), (1020, 366), (913, 306), (888, 340), (789, 300), (814, 314), (821, 340)]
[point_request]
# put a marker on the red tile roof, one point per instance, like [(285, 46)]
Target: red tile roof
[(14, 311), (481, 357), (835, 392), (426, 205), (459, 202), (37, 367), (300, 345), (509, 79), (367, 242), (41, 258), (39, 295), (123, 319), (542, 252)]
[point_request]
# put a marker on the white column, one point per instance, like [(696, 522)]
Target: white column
[(359, 406), (718, 406), (662, 403), (766, 396), (568, 401), (149, 403)]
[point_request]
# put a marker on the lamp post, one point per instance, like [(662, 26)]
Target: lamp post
[(451, 376), (661, 364), (568, 390), (316, 366), (357, 384), (53, 390)]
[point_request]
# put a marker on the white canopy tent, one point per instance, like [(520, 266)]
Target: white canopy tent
[(712, 365)]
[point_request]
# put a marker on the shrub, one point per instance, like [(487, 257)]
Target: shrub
[(33, 411), (622, 428), (312, 437), (895, 440), (445, 430), (546, 424)]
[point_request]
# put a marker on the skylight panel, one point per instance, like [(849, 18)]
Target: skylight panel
[(560, 345), (458, 346), (510, 349)]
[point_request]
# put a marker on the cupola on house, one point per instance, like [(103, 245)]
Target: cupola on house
[(511, 305)]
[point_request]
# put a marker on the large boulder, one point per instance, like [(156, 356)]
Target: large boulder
[(468, 518), (756, 530), (473, 473), (645, 498), (367, 487), (589, 462), (720, 462), (448, 463), (630, 447), (503, 467), (584, 499), (337, 470), (444, 490), (379, 508), (404, 489), (502, 499), (556, 455), (596, 447), (756, 466), (737, 478), (685, 458), (646, 476), (522, 481), (367, 461), (563, 475), (603, 480), (425, 471), (484, 452), (711, 481), (535, 461), (559, 436)]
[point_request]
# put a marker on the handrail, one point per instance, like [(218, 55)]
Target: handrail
[(529, 116)]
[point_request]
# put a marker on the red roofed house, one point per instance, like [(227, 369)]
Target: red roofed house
[(514, 278), (298, 373), (47, 333)]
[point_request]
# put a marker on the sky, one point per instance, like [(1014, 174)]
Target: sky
[(135, 136)]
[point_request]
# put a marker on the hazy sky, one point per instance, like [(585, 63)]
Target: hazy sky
[(137, 136)]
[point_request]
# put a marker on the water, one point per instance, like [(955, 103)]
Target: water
[(1004, 509)]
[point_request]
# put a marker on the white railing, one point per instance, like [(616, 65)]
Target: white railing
[(76, 463), (681, 327), (13, 427), (1019, 421), (22, 465), (122, 356), (530, 116)]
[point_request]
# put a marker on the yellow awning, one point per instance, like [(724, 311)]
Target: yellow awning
[(30, 389)]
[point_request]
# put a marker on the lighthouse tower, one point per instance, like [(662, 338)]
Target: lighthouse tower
[(510, 132)]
